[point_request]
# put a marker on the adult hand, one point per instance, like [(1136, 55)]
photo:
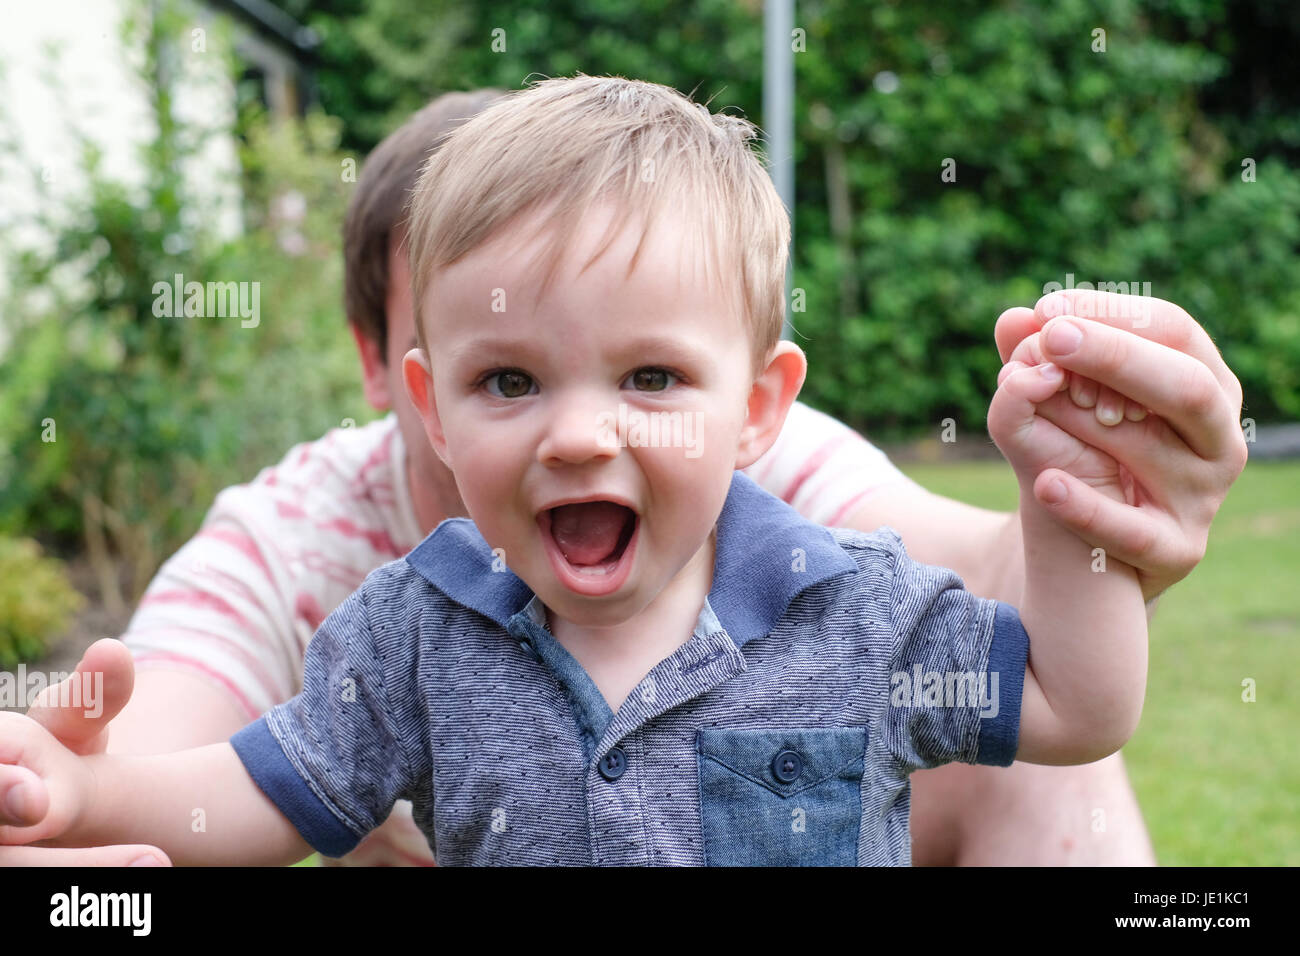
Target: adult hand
[(1133, 355), (81, 723)]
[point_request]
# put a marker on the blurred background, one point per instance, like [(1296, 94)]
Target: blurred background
[(1113, 141)]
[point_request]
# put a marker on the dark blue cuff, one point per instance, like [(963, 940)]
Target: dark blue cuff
[(273, 773), (999, 733)]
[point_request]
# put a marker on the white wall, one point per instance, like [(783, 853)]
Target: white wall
[(98, 90)]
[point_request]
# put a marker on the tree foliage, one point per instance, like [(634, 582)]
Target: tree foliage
[(1115, 166)]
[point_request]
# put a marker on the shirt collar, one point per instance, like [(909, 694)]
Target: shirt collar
[(767, 553)]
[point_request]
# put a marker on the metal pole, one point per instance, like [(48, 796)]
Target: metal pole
[(778, 114)]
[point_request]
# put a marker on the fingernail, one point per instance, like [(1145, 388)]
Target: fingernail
[(1064, 337), (1055, 492), (1084, 392), (1135, 413), (1109, 414), (16, 802), (1053, 305), (147, 860), (1051, 373)]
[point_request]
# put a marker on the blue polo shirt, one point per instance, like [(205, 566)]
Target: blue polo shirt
[(825, 666)]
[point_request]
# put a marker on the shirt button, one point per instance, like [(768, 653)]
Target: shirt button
[(613, 764), (786, 766), (528, 649)]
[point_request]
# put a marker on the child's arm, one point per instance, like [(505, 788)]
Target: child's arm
[(1083, 612), (199, 806)]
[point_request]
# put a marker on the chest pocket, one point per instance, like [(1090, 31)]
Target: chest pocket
[(781, 797)]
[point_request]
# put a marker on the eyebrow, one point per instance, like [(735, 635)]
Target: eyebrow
[(489, 348)]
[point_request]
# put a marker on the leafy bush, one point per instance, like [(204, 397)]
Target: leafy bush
[(1115, 166), (36, 601)]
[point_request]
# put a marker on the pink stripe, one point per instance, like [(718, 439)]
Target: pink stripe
[(320, 563), (240, 541), (377, 457), (286, 509), (848, 507), (241, 589), (378, 539), (307, 608), (160, 657), (814, 462), (197, 599), (248, 660)]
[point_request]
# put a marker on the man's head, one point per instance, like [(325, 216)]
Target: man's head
[(598, 279), (377, 286), (376, 217)]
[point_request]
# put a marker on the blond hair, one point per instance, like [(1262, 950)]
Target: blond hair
[(568, 143)]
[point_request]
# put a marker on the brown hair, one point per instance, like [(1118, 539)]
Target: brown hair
[(378, 206), (571, 142)]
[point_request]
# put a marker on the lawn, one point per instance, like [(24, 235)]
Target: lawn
[(1218, 778)]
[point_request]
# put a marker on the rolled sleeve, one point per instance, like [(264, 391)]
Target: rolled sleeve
[(999, 732), (266, 763)]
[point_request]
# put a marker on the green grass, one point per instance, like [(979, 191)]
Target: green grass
[(1218, 779)]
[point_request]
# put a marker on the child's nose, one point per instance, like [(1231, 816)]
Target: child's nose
[(581, 428)]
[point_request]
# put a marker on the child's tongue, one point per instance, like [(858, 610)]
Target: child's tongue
[(588, 533)]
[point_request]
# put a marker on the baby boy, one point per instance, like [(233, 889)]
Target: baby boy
[(632, 654)]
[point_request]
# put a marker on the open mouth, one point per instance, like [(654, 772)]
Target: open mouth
[(590, 543)]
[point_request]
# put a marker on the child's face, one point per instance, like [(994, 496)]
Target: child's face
[(660, 350)]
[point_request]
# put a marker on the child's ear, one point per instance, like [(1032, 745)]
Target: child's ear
[(774, 391), (419, 387)]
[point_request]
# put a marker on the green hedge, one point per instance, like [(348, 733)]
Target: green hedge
[(36, 601), (1115, 166)]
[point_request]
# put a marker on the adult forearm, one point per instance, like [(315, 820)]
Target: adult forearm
[(984, 547), (989, 554), (1001, 573), (173, 710)]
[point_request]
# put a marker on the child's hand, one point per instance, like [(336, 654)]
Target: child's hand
[(1039, 451), (44, 786)]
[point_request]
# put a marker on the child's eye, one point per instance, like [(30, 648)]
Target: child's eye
[(651, 379), (511, 383)]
